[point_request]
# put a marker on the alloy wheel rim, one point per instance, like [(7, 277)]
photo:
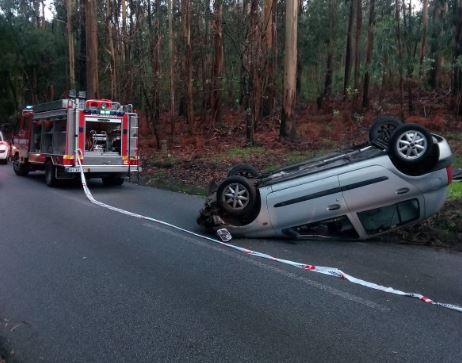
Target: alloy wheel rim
[(236, 196), (412, 145)]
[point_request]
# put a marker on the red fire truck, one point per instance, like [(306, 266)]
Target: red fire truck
[(102, 133)]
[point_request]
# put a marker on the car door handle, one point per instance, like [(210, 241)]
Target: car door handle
[(333, 207), (402, 191)]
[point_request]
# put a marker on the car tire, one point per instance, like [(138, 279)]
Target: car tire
[(4, 161), (382, 129), (113, 181), (412, 150), (50, 174), (20, 169), (236, 196), (245, 170)]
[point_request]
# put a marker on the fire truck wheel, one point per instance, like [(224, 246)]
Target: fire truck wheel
[(20, 169), (112, 180), (50, 174)]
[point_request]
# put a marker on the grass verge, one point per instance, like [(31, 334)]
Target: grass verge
[(162, 180), (455, 191)]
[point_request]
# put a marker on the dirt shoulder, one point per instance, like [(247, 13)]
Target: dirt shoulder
[(442, 230)]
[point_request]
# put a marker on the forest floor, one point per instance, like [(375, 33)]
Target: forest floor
[(189, 163)]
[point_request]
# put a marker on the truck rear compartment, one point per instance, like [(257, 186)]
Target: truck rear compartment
[(103, 141)]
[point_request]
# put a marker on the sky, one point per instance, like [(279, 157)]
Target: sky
[(49, 9)]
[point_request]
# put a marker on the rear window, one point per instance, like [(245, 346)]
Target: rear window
[(382, 219)]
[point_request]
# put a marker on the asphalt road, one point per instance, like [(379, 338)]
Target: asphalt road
[(79, 283)]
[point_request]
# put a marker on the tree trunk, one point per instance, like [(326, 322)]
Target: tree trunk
[(400, 57), (206, 64), (253, 113), (411, 55), (288, 127), (327, 92), (70, 43), (244, 60), (357, 58), (268, 23), (37, 13), (124, 30), (156, 63), (218, 67), (269, 34), (423, 41), (92, 49), (299, 60), (457, 76), (186, 13), (439, 13), (171, 39), (111, 50), (370, 47), (349, 47), (83, 47)]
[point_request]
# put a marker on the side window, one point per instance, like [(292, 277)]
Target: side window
[(334, 227), (381, 219)]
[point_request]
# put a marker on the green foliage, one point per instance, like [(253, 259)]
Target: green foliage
[(32, 62), (313, 43), (457, 162), (455, 191)]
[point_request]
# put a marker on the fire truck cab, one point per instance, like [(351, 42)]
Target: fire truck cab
[(102, 133)]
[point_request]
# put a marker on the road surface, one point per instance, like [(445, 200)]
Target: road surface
[(80, 283)]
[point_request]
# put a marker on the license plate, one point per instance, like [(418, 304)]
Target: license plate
[(73, 170), (224, 234)]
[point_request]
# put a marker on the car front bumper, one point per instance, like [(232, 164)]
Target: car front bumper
[(3, 154)]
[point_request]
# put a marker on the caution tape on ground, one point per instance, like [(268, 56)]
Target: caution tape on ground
[(330, 271)]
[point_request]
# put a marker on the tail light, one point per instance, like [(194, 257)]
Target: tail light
[(449, 171)]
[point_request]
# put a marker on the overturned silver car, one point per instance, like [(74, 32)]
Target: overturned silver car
[(399, 177)]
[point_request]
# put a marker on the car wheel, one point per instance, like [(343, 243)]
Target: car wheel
[(245, 170), (50, 174), (236, 196), (20, 169), (412, 150), (112, 181), (382, 129)]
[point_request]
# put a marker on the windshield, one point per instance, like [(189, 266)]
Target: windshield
[(1, 136)]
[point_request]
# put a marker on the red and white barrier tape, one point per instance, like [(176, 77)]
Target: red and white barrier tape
[(331, 271)]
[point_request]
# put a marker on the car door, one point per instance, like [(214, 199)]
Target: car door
[(374, 186), (306, 199)]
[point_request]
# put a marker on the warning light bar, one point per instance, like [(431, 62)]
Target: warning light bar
[(96, 111), (102, 107)]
